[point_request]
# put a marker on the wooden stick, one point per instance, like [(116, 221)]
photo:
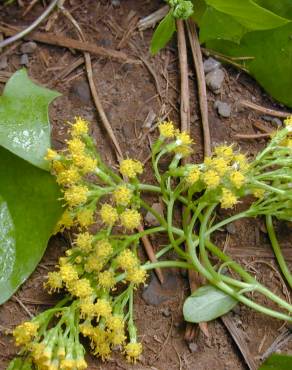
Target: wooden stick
[(270, 112), (251, 136), (198, 62), (59, 40)]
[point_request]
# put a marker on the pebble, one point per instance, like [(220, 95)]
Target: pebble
[(277, 122), (223, 109), (28, 47), (150, 218), (214, 80), (210, 64), (193, 347), (116, 3), (3, 62), (231, 228), (24, 60), (81, 90), (165, 312)]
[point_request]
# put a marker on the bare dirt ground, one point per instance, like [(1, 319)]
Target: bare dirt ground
[(129, 93)]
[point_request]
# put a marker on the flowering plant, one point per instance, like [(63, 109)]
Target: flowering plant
[(102, 269)]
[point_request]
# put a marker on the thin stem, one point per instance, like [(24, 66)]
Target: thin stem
[(164, 264)]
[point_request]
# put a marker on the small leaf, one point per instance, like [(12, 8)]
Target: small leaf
[(163, 33), (277, 362), (249, 14), (207, 303), (19, 364), (24, 123), (29, 210)]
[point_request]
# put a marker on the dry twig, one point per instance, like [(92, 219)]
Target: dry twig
[(270, 112)]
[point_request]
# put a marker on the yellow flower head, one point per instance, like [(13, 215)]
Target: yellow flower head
[(80, 364), (130, 219), (54, 282), (242, 162), (131, 168), (183, 138), (51, 155), (37, 352), (183, 150), (108, 214), (85, 162), (84, 241), (258, 193), (65, 222), (166, 129), (103, 249), (93, 264), (288, 121), (237, 179), (25, 332), (86, 329), (133, 351), (115, 323), (68, 273), (76, 147), (85, 217), (211, 179), (68, 364), (228, 199), (79, 127), (106, 279), (136, 276), (57, 167), (224, 151), (102, 349), (122, 195), (193, 176), (103, 308), (219, 165), (69, 176), (76, 195), (126, 260), (87, 309), (81, 288)]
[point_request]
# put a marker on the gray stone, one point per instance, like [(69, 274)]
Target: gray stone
[(81, 90), (210, 64), (193, 347), (277, 122), (231, 228), (28, 47), (3, 62), (116, 3), (150, 218), (24, 60), (223, 109), (214, 80)]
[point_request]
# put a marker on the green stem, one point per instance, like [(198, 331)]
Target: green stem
[(164, 264), (277, 250)]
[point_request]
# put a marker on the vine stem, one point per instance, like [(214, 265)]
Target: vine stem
[(277, 250)]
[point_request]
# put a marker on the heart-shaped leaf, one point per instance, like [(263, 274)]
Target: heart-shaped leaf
[(206, 304), (24, 123), (277, 362), (29, 210)]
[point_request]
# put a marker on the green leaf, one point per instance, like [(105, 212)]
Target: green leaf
[(272, 63), (249, 14), (163, 33), (19, 364), (277, 362), (280, 7), (29, 210), (216, 25), (207, 303), (24, 123), (199, 10)]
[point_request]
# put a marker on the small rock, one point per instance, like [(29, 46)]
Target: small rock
[(223, 109), (193, 347), (165, 312), (267, 118), (210, 64), (24, 60), (236, 309), (28, 47), (231, 228), (214, 80), (3, 62), (116, 3), (277, 122), (150, 218), (81, 90)]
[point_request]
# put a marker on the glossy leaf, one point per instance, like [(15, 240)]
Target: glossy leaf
[(29, 210), (163, 33), (280, 7), (249, 14), (206, 304), (271, 65), (277, 362), (24, 123)]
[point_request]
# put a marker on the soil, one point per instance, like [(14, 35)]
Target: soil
[(129, 94)]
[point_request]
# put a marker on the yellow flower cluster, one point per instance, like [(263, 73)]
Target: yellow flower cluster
[(25, 332), (131, 168), (130, 219), (128, 262), (122, 195), (76, 195), (166, 129), (133, 351), (228, 199), (79, 127), (108, 214)]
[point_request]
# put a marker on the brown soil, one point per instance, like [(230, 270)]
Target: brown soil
[(128, 94)]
